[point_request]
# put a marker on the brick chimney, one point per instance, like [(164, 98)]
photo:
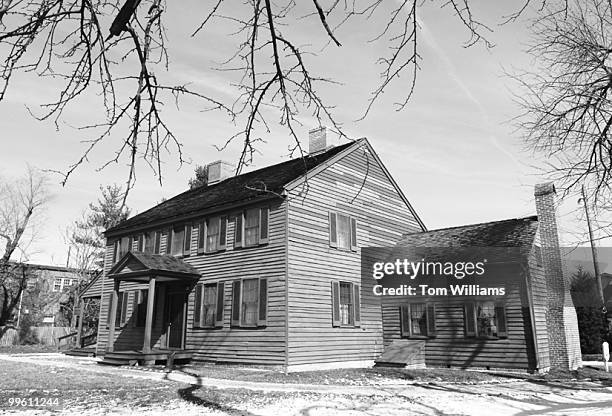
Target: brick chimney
[(317, 140), (219, 171), (561, 321)]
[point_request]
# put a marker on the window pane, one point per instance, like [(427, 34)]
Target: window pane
[(212, 236), (57, 285), (346, 304), (344, 231), (209, 303), (418, 319), (486, 320), (251, 227), (178, 235), (250, 302), (149, 242)]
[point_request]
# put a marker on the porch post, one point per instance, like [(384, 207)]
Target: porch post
[(80, 324), (146, 348), (113, 315)]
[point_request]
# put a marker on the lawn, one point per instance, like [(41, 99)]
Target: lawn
[(78, 389)]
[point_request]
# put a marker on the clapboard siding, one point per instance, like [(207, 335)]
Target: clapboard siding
[(265, 345), (94, 289), (450, 346), (382, 217)]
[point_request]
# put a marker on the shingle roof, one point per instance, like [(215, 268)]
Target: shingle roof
[(161, 263), (518, 232), (246, 187)]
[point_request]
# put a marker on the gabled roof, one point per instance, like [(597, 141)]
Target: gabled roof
[(145, 264), (242, 188), (518, 232)]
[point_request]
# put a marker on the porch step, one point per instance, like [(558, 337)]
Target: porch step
[(81, 352), (114, 361), (403, 353), (135, 357)]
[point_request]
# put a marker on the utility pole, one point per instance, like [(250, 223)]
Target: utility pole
[(593, 250)]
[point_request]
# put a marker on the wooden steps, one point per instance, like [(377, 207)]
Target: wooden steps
[(81, 352), (403, 353), (132, 357)]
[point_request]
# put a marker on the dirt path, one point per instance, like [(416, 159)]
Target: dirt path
[(217, 396)]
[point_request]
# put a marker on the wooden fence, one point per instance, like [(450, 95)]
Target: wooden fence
[(45, 335), (8, 336)]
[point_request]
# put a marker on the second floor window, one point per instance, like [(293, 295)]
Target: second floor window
[(342, 231), (213, 235), (251, 227)]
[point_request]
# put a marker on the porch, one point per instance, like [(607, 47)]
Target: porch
[(162, 286)]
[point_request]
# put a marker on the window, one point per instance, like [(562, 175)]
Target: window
[(157, 248), (176, 239), (139, 307), (124, 246), (140, 242), (213, 235), (57, 285), (418, 320), (150, 242), (342, 231), (121, 315), (485, 320), (208, 305), (252, 227), (249, 302), (346, 306)]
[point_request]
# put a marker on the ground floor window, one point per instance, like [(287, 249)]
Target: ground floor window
[(208, 305), (418, 320), (485, 320), (346, 308), (249, 302)]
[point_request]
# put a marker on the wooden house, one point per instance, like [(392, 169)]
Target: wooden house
[(261, 268), (530, 326)]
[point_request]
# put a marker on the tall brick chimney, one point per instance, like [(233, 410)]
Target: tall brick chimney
[(561, 321)]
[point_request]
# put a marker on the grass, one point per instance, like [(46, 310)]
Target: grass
[(76, 388)]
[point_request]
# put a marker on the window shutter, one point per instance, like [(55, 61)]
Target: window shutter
[(110, 305), (130, 244), (333, 235), (502, 326), (335, 303), (470, 320), (263, 302), (431, 320), (121, 309), (238, 231), (134, 317), (197, 306), (264, 219), (222, 234), (220, 304), (353, 234), (236, 303), (404, 320), (357, 304), (187, 240)]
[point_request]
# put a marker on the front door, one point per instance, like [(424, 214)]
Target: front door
[(175, 319)]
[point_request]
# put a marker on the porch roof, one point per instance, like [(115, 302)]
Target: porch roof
[(140, 267)]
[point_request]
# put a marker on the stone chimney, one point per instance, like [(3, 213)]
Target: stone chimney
[(219, 171), (561, 321), (317, 140)]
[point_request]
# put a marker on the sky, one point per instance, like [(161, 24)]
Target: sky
[(453, 150)]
